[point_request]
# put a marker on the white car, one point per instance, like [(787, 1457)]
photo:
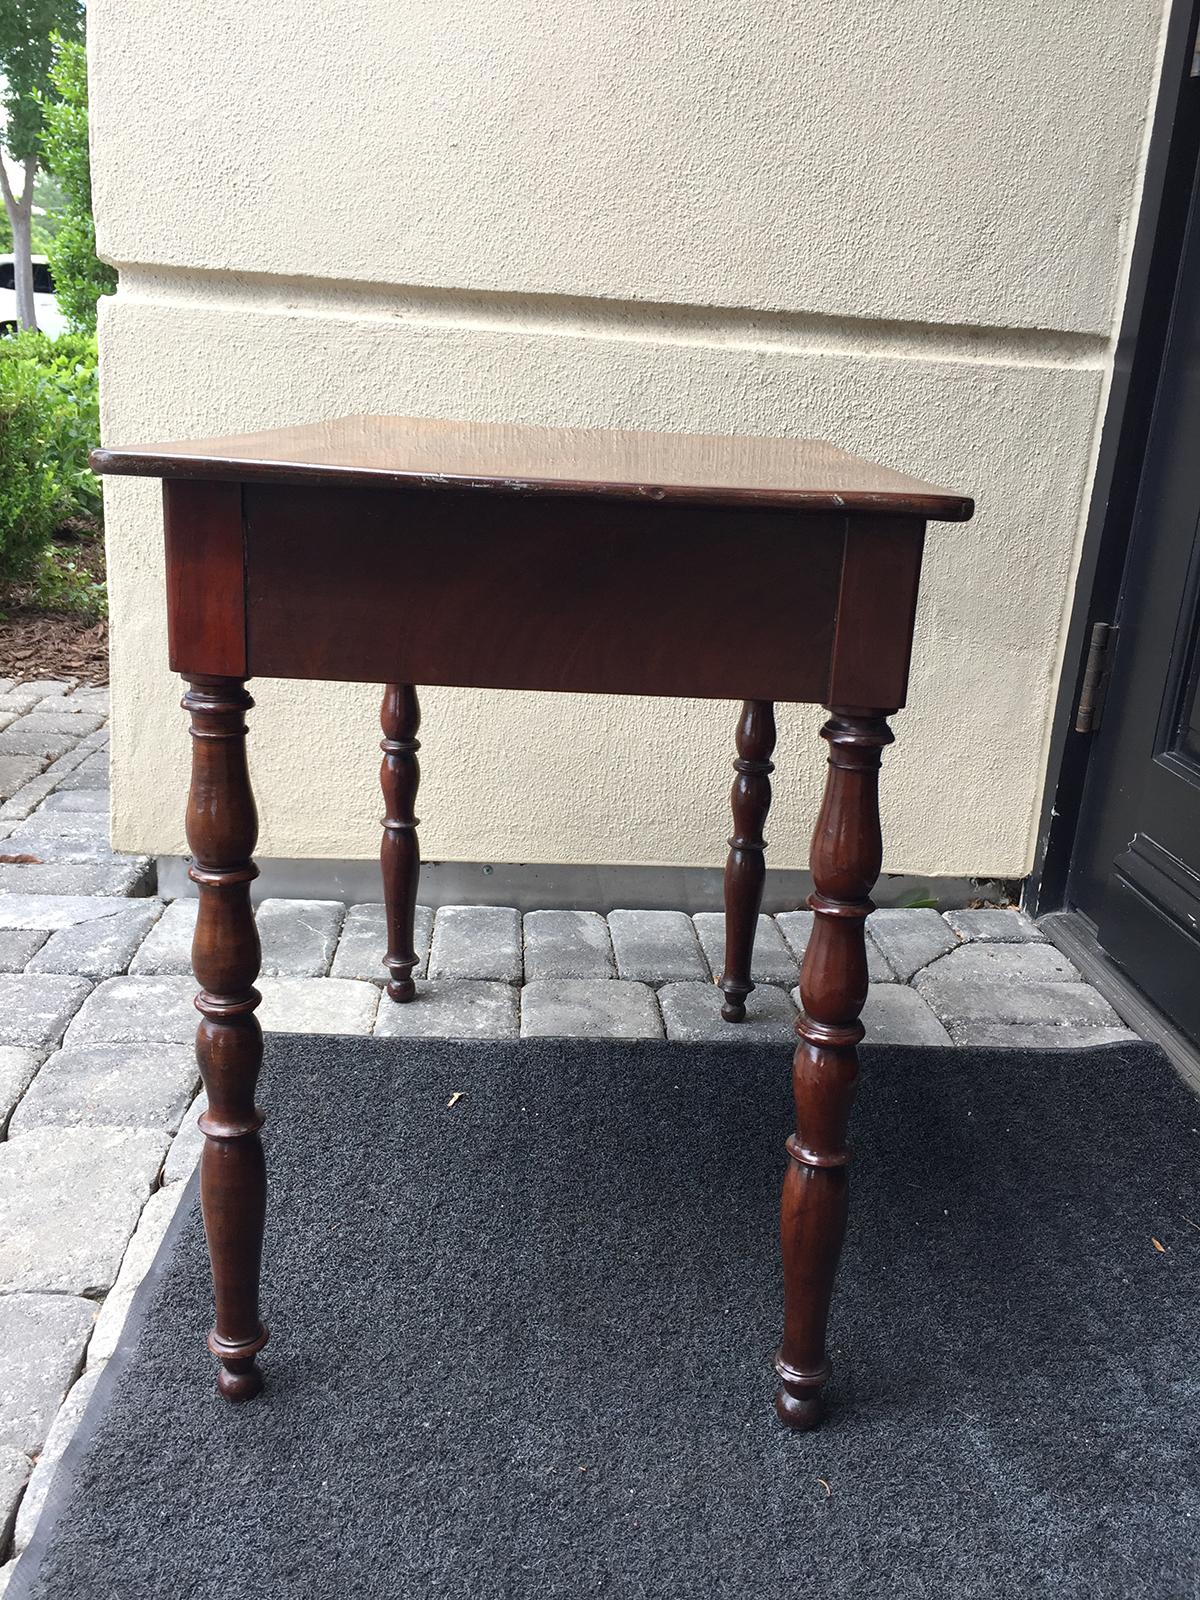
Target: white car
[(45, 307)]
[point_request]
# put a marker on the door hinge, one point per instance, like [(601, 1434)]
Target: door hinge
[(1095, 677)]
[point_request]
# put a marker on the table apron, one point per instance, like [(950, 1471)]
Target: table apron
[(451, 588)]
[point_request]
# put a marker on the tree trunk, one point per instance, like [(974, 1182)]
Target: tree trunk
[(23, 270), (20, 216)]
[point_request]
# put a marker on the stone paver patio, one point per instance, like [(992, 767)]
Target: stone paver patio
[(98, 1083)]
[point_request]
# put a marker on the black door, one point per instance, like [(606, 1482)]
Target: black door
[(1136, 866)]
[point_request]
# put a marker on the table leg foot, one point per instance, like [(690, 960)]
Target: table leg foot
[(400, 856), (745, 867), (239, 1376), (239, 1380), (799, 1400)]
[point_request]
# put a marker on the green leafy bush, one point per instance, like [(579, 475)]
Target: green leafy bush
[(80, 278), (65, 582), (29, 495), (49, 420)]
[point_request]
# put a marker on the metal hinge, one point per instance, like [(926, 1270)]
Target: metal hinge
[(1095, 677)]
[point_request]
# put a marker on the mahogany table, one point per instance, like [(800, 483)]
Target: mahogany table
[(409, 551)]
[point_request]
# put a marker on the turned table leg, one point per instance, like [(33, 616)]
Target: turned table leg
[(399, 854), (745, 867), (847, 853), (222, 829)]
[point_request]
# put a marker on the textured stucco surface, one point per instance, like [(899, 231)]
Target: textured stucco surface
[(882, 183), (942, 160)]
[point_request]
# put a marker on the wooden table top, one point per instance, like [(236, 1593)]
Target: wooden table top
[(505, 458)]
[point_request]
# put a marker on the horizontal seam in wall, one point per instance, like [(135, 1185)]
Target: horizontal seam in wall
[(632, 321)]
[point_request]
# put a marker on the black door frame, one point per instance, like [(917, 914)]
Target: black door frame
[(1145, 322)]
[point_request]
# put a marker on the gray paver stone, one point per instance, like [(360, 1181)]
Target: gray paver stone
[(42, 1338), (796, 927), (65, 848), (36, 1007), (910, 937), (96, 749), (17, 1067), (589, 1008), (135, 1011), (29, 736), (693, 1011), (64, 704), (91, 694), (1037, 1035), (975, 1000), (15, 1469), (143, 1247), (69, 1201), (167, 948), (17, 945), (71, 759), (452, 1008), (91, 775), (77, 801), (46, 688), (567, 944), (16, 771), (656, 947), (25, 800), (316, 1005), (894, 1014), (186, 1145), (111, 1086), (100, 948), (61, 1430), (1033, 962), (124, 875), (363, 943), (993, 923), (63, 716), (298, 936), (57, 910), (90, 825), (476, 942), (773, 962)]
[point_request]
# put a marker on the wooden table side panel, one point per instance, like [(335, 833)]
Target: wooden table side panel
[(581, 596), (206, 578), (876, 610)]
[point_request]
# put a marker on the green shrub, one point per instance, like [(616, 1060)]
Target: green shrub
[(29, 496), (63, 582), (49, 420), (80, 278), (63, 372)]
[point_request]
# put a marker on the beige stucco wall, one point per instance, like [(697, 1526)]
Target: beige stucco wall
[(901, 226)]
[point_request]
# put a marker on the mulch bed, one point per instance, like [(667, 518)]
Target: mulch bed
[(53, 644), (40, 642)]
